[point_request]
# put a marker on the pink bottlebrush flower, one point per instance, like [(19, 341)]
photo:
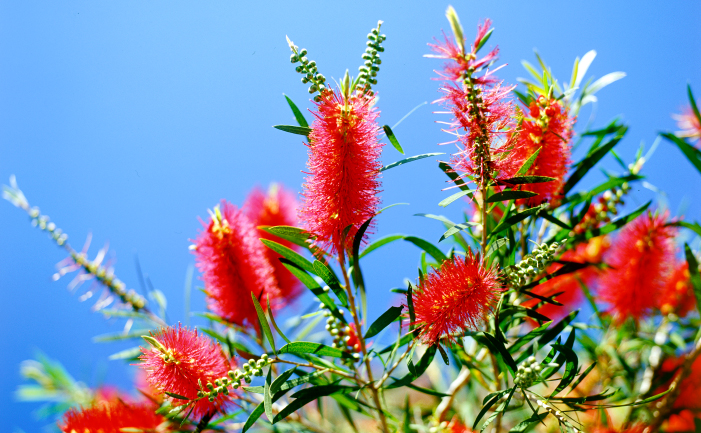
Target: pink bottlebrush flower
[(344, 162), (234, 264), (689, 124), (484, 118), (112, 416), (276, 208), (641, 258), (550, 129), (569, 284), (678, 294), (459, 295), (180, 361)]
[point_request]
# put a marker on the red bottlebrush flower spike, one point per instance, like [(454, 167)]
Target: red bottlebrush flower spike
[(569, 284), (459, 295), (179, 361), (234, 264), (344, 162), (276, 208), (678, 294), (484, 118), (112, 416), (549, 129), (689, 124), (640, 259)]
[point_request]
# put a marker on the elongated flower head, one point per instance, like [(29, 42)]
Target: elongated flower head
[(277, 207), (459, 295), (342, 185), (234, 264), (484, 118), (678, 293), (641, 259), (689, 125), (568, 285), (179, 360), (549, 128), (112, 416)]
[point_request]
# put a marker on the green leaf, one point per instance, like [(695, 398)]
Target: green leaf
[(495, 245), (267, 396), (519, 180), (300, 130), (695, 227), (445, 202), (295, 235), (571, 367), (393, 139), (609, 184), (527, 424), (272, 320), (253, 417), (408, 160), (431, 249), (357, 274), (120, 336), (379, 243), (694, 274), (510, 195), (502, 352), (594, 157), (484, 40), (318, 349), (290, 255), (385, 319), (178, 396), (310, 394), (410, 305), (264, 322), (582, 376), (457, 228), (691, 153), (692, 102), (326, 274), (457, 180), (513, 219), (298, 114), (490, 400), (528, 163), (130, 354)]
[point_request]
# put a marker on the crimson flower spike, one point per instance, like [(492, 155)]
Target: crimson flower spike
[(484, 118)]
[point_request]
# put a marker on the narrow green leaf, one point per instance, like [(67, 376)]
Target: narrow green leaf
[(457, 228), (253, 417), (298, 114), (490, 400), (357, 274), (692, 102), (694, 274), (495, 245), (267, 396), (309, 396), (272, 320), (314, 349), (138, 333), (520, 180), (513, 219), (582, 376), (571, 366), (295, 235), (326, 274), (385, 319), (410, 305), (484, 40), (177, 396), (457, 180), (590, 160), (131, 354), (445, 202), (695, 227), (431, 249), (691, 153), (393, 139), (444, 355), (502, 352), (290, 255), (528, 163), (300, 130), (263, 322), (379, 243), (527, 424), (510, 195), (408, 160)]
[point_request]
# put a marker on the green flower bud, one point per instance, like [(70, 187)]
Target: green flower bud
[(294, 58)]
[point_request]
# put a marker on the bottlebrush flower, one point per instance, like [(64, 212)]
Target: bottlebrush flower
[(179, 361), (550, 129), (689, 124), (459, 295), (678, 294), (641, 258), (588, 252), (484, 118), (688, 402), (112, 416), (276, 208), (234, 264), (343, 183)]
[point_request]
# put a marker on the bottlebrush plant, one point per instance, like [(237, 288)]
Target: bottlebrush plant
[(546, 308)]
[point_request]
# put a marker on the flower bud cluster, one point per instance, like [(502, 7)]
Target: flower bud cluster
[(528, 373), (601, 211), (42, 221), (233, 378), (344, 336), (106, 277), (309, 71), (532, 264), (368, 72), (545, 112)]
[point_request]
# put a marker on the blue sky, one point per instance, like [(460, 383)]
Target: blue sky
[(128, 120)]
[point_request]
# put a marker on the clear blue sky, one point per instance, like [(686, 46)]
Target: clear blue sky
[(130, 119)]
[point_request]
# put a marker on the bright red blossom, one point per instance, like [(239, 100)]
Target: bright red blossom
[(276, 208), (459, 295), (344, 162), (234, 264), (678, 294), (549, 129), (641, 258), (186, 360), (111, 416)]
